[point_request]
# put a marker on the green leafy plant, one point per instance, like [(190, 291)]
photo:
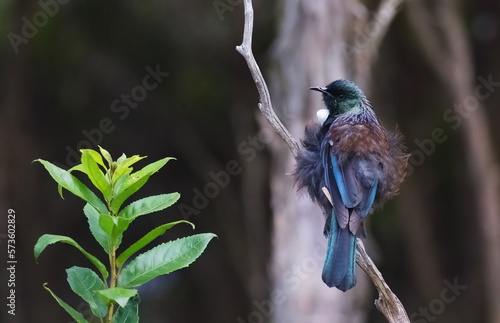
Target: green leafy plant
[(110, 292)]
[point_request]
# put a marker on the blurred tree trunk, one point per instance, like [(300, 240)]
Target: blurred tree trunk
[(309, 51), (448, 49)]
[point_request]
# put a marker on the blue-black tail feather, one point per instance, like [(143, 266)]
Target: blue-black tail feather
[(339, 269)]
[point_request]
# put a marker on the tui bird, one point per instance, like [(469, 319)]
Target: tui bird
[(360, 164)]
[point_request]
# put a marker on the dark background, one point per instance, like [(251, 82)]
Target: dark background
[(62, 83)]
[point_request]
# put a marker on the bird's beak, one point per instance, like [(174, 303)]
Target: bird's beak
[(319, 89)]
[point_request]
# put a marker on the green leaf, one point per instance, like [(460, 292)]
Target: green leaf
[(127, 162), (121, 158), (124, 187), (106, 156), (121, 226), (95, 156), (119, 172), (85, 283), (153, 167), (129, 184), (77, 316), (118, 295), (149, 205), (129, 313), (123, 166), (72, 184), (48, 239), (78, 167), (99, 234), (114, 226), (163, 259), (145, 240), (95, 173)]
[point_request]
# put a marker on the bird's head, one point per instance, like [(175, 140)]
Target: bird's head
[(341, 96)]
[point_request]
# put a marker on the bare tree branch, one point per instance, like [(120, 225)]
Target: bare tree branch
[(372, 32), (425, 29), (380, 24), (265, 105), (388, 303)]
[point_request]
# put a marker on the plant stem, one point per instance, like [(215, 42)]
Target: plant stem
[(112, 254), (112, 282)]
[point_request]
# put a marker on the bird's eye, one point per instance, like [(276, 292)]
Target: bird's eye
[(341, 96)]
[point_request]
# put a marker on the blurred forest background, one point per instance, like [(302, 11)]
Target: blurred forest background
[(75, 77)]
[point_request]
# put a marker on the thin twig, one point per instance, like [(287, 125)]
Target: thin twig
[(265, 105), (388, 303), (373, 30), (327, 194), (430, 42), (380, 23)]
